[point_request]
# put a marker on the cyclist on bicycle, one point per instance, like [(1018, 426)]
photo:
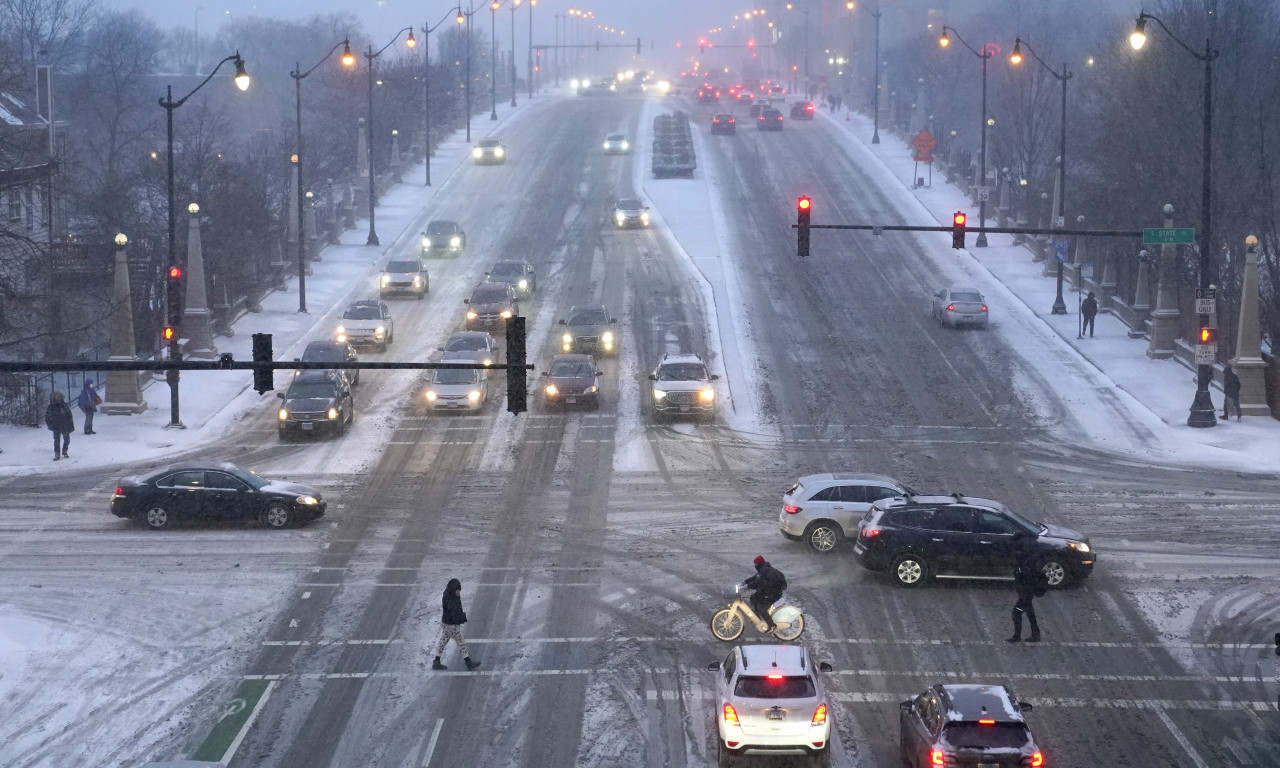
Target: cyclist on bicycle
[(769, 584)]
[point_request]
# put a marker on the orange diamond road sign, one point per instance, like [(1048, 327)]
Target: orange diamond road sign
[(924, 142)]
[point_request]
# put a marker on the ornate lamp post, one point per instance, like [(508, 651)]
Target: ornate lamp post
[(242, 81), (985, 54), (514, 5), (369, 56), (493, 58), (427, 29), (1059, 306), (1202, 411)]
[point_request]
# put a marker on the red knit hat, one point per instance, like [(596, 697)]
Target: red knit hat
[(759, 560)]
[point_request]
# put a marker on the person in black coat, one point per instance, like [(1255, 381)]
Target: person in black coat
[(451, 625), (1031, 583), (1088, 311), (58, 418), (769, 584), (1231, 393)]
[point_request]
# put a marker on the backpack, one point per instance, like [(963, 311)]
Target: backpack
[(778, 582)]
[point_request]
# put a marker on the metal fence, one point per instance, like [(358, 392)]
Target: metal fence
[(24, 396)]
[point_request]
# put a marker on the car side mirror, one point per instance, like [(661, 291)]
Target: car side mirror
[(544, 373), (653, 377), (824, 667), (715, 376), (598, 373), (439, 349), (297, 359), (563, 321), (613, 319), (280, 395), (486, 274), (905, 706), (713, 666), (1025, 706), (466, 301)]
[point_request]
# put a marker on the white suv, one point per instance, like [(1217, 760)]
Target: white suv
[(770, 701), (683, 386), (824, 510)]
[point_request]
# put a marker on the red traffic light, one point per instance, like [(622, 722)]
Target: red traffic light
[(803, 203), (957, 220), (169, 333), (175, 272)]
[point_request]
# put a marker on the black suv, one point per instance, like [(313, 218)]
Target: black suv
[(915, 538), (490, 305), (332, 352), (316, 401), (967, 724)]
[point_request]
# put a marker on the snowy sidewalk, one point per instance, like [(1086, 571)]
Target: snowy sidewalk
[(1163, 387)]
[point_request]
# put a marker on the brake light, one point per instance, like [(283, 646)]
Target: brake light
[(984, 307), (775, 676), (935, 757), (731, 715), (120, 492), (819, 715), (791, 509), (951, 307), (868, 533), (809, 108), (986, 722), (1037, 760)]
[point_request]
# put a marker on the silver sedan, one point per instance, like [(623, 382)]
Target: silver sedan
[(957, 306)]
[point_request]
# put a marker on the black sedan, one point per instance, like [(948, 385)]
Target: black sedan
[(212, 490)]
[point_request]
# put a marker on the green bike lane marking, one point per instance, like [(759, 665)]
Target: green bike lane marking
[(237, 717)]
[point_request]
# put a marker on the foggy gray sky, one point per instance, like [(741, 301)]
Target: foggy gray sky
[(663, 21)]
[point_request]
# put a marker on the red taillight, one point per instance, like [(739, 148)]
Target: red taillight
[(951, 307), (731, 715), (935, 757), (868, 533), (819, 715), (809, 108), (791, 509), (986, 722), (1037, 760), (119, 491), (984, 307), (775, 676)]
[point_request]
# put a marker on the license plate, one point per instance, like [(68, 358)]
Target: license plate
[(776, 714), (571, 399), (988, 765), (308, 425)]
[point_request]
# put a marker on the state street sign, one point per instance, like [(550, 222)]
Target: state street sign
[(1168, 236)]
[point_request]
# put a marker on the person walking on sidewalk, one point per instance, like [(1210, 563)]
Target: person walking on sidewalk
[(88, 402), (1031, 583), (1088, 311), (1231, 393), (451, 625), (58, 418)]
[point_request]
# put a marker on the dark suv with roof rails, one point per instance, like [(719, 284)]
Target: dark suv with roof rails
[(967, 724), (917, 538)]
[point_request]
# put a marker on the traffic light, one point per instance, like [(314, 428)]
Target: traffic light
[(1208, 336), (169, 333), (957, 229), (263, 378), (802, 225), (517, 391)]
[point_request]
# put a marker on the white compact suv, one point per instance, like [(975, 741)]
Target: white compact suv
[(770, 701), (683, 387), (824, 510)]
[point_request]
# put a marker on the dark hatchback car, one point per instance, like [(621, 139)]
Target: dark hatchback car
[(724, 124), (572, 380), (316, 402), (967, 725), (490, 305), (770, 119), (332, 352), (916, 538), (802, 110), (212, 490)]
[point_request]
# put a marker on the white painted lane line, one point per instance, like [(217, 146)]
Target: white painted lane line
[(371, 583), (473, 640), (306, 595), (431, 745), (244, 729), (1181, 739)]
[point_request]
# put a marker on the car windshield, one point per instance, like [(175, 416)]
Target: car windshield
[(617, 137), (566, 369), (489, 143), (974, 297), (990, 736), (455, 376), (682, 372), (589, 317), (403, 266), (465, 344), (326, 353), (441, 227), (506, 272), (249, 477), (362, 313), (491, 295), (784, 687), (302, 390), (630, 205)]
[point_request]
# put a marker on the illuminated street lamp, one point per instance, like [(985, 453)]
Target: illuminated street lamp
[(427, 29), (875, 98), (985, 54), (369, 56)]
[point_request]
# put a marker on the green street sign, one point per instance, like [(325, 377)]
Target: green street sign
[(1162, 236)]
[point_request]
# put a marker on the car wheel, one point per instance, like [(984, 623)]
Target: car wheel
[(595, 404), (284, 436), (823, 536), (156, 517), (904, 753), (727, 625), (1055, 572), (277, 516), (724, 755), (910, 570)]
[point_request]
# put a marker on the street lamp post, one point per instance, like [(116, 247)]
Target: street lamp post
[(427, 29), (493, 58), (369, 56), (175, 312), (348, 60), (1059, 306), (514, 5), (985, 54), (530, 51), (875, 95), (805, 11), (1202, 412)]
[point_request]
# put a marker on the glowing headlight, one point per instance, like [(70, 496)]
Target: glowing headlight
[(613, 86), (644, 219), (607, 337), (471, 314), (332, 414), (283, 414), (591, 390), (551, 390), (309, 501), (574, 84), (524, 285), (606, 145), (477, 153), (659, 394), (431, 396), (707, 394), (385, 281), (499, 152), (455, 242), (1078, 546), (619, 216), (426, 242), (506, 313), (474, 395), (417, 281), (488, 361), (567, 338), (380, 331), (341, 331), (625, 146)]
